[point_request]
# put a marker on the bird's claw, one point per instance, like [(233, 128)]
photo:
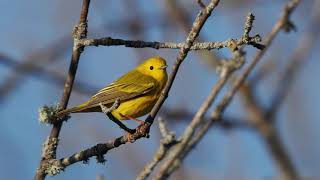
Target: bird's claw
[(141, 131), (114, 106)]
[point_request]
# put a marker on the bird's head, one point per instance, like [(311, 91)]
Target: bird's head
[(154, 67)]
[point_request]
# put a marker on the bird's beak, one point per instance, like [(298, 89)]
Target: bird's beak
[(163, 67)]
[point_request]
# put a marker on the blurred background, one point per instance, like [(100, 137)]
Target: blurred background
[(35, 50)]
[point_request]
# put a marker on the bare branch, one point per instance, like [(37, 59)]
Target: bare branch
[(108, 41), (168, 140), (80, 32), (201, 4), (227, 123), (182, 19)]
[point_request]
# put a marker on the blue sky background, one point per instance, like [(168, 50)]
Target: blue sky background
[(33, 26)]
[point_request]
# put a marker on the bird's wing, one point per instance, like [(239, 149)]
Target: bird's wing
[(127, 87)]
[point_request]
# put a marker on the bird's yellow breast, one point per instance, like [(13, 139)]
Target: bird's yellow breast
[(135, 107)]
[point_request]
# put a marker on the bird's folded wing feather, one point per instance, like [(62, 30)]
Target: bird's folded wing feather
[(125, 88)]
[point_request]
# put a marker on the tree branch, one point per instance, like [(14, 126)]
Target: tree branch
[(108, 41), (44, 74), (48, 158), (168, 140)]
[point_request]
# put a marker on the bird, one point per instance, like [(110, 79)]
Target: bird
[(137, 92)]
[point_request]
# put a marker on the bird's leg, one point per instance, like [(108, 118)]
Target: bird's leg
[(132, 118), (139, 129), (108, 111)]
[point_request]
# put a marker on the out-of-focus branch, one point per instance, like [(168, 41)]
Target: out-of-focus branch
[(168, 140), (48, 164), (201, 4), (181, 18), (108, 41), (46, 75), (227, 70), (43, 56), (268, 134), (266, 69), (263, 120), (189, 131), (299, 57), (138, 28), (183, 116)]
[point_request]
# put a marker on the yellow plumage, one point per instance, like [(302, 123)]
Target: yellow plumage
[(138, 91)]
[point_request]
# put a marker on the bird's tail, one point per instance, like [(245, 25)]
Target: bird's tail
[(79, 108)]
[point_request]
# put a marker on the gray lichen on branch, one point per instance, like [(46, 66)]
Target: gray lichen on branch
[(51, 165), (48, 114)]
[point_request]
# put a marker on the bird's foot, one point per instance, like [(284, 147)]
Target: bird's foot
[(141, 131), (114, 106), (108, 111)]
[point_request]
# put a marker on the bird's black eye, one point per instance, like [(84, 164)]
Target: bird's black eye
[(151, 67)]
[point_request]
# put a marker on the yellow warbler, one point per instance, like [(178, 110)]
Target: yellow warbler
[(138, 91)]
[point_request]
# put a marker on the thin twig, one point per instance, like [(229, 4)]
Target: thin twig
[(201, 4), (80, 32), (168, 140)]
